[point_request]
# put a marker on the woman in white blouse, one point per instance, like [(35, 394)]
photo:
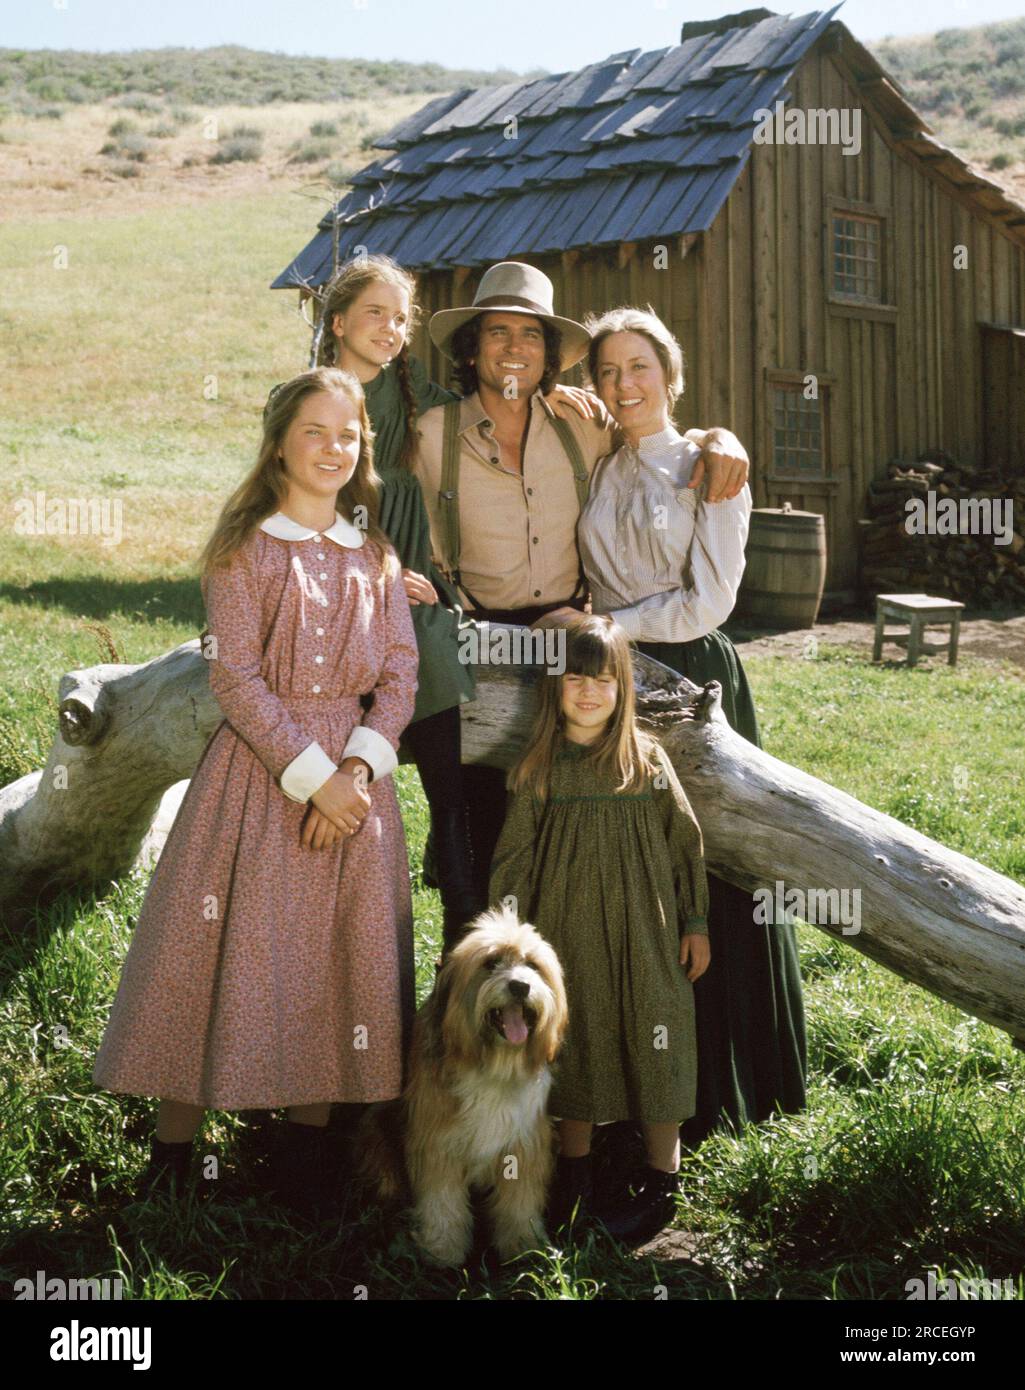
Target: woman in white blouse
[(666, 564)]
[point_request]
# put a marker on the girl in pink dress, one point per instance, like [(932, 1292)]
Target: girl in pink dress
[(272, 964)]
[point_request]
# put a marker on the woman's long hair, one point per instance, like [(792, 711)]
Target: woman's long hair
[(593, 644), (345, 286), (264, 488)]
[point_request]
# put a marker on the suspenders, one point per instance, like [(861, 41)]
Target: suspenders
[(449, 495)]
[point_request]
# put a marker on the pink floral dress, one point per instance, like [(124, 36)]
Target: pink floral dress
[(263, 974)]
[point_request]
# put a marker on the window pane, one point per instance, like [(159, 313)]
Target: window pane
[(797, 432)]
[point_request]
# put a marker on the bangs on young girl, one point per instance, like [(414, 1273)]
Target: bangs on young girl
[(595, 644)]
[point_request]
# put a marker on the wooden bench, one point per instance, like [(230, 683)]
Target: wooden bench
[(919, 611)]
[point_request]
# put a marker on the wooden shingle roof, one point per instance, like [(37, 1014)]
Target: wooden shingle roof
[(636, 146)]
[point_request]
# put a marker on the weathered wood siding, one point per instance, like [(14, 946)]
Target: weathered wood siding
[(899, 381)]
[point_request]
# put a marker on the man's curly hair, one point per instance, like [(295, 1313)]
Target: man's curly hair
[(466, 344)]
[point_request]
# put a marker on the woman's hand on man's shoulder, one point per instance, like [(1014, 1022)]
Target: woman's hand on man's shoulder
[(723, 461)]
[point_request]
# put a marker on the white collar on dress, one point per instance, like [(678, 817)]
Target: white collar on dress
[(285, 529)]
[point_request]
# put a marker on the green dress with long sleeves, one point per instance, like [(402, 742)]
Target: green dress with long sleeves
[(443, 681), (612, 880)]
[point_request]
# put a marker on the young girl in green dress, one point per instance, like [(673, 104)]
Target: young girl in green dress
[(603, 854)]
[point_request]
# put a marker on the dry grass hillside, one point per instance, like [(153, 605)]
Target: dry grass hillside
[(81, 131)]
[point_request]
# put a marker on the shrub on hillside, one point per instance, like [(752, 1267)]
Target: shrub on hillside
[(25, 105), (1010, 125), (234, 149), (1010, 50), (310, 152), (139, 101), (129, 146), (1006, 83)]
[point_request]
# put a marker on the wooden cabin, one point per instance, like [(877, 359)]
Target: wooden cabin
[(893, 274)]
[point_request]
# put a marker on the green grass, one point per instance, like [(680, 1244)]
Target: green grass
[(909, 1156), (939, 748), (116, 410)]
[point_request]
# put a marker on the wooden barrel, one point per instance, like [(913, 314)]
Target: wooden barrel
[(786, 567)]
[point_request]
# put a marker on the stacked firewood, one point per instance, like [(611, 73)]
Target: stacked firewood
[(972, 568)]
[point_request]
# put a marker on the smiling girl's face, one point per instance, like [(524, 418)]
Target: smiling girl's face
[(372, 330), (588, 703), (632, 384), (321, 446)]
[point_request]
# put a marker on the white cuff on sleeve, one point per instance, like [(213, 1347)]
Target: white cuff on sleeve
[(373, 748), (307, 773)]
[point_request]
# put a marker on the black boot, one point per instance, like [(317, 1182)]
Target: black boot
[(168, 1171), (572, 1193), (301, 1173), (645, 1207)]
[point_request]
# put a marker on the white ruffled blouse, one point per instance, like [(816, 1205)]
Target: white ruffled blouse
[(661, 561)]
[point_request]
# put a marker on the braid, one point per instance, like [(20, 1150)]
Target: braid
[(409, 408), (327, 347)]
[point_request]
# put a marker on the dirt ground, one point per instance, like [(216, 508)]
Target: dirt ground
[(985, 635)]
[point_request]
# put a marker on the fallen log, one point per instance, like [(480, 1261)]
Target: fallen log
[(128, 734)]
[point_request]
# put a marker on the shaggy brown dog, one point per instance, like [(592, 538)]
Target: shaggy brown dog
[(473, 1113)]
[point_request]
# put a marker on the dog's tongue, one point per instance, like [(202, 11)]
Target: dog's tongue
[(514, 1025)]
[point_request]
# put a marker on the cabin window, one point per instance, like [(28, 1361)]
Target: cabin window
[(798, 432), (857, 260)]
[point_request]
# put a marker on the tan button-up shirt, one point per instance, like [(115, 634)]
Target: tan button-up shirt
[(517, 532)]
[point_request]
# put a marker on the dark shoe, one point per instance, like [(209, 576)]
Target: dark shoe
[(302, 1172), (572, 1192), (168, 1171), (646, 1207)]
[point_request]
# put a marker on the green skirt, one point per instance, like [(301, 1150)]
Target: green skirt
[(752, 1051), (442, 679)]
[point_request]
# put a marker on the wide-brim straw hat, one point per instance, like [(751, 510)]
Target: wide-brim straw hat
[(515, 288)]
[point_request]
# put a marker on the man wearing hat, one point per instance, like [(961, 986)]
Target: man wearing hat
[(504, 478)]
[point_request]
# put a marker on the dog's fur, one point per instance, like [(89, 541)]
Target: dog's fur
[(473, 1113)]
